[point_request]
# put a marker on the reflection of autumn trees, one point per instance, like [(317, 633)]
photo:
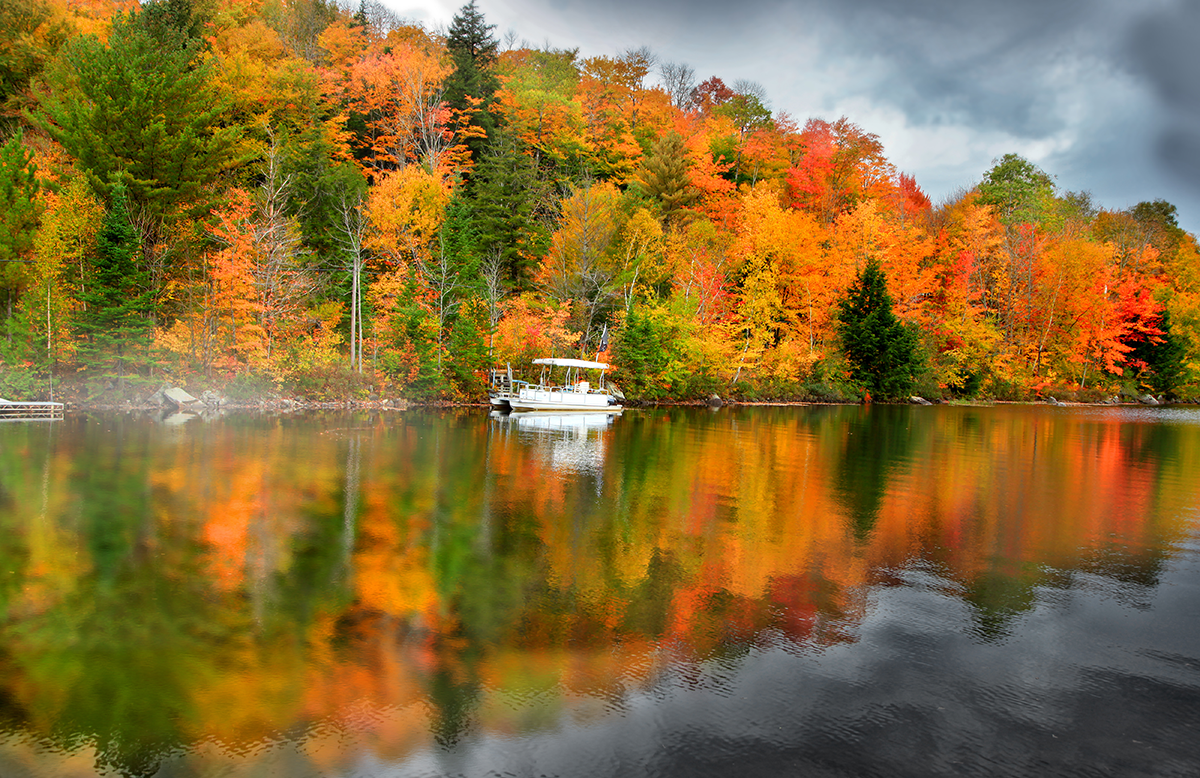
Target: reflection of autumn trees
[(382, 582)]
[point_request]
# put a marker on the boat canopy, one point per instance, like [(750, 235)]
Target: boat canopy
[(560, 362)]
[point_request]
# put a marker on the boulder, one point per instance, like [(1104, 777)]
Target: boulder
[(213, 399), (1147, 399), (915, 400), (178, 397), (714, 401)]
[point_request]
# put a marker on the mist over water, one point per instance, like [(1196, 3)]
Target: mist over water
[(892, 591)]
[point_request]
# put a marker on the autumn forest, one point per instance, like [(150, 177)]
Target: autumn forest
[(329, 201)]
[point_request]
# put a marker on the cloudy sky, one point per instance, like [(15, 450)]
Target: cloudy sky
[(1104, 95)]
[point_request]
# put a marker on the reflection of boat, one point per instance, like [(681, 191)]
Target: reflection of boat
[(575, 393), (572, 442), (578, 421)]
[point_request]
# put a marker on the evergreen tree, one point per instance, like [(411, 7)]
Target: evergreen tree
[(1160, 365), (883, 353), (665, 177), (471, 88), (141, 110), (114, 324), (504, 200), (19, 213), (468, 359)]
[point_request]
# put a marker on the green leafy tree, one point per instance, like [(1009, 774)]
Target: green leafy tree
[(114, 324), (883, 352), (1019, 191), (1158, 220)]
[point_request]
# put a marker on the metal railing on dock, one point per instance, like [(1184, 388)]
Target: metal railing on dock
[(30, 411)]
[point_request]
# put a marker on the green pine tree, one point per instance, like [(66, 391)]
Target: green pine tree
[(1161, 364), (19, 213), (141, 110), (471, 87), (642, 350), (883, 352), (504, 198), (114, 324), (665, 177)]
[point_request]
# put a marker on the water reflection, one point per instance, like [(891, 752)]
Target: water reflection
[(570, 442), (880, 590)]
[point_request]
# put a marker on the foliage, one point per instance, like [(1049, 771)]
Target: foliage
[(20, 210), (114, 321), (139, 110), (461, 198), (471, 87)]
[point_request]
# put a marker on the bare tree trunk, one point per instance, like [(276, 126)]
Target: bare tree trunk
[(353, 231)]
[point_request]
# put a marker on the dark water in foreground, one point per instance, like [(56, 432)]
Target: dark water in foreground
[(1009, 591)]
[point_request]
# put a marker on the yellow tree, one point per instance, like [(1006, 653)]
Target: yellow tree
[(967, 253), (785, 294), (65, 239), (540, 103), (581, 267), (406, 209)]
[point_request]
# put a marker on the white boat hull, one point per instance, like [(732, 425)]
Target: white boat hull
[(559, 400)]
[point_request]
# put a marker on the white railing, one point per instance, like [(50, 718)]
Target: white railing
[(30, 411)]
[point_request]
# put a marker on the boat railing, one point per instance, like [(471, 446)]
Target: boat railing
[(11, 410)]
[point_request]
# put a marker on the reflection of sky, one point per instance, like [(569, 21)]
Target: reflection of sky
[(1148, 415), (1095, 680)]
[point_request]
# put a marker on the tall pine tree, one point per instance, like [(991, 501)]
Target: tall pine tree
[(505, 196), (471, 88), (114, 323), (141, 110), (19, 212), (883, 353)]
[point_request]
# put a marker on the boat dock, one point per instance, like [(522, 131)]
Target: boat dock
[(30, 411)]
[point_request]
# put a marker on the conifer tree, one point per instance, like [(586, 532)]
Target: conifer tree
[(141, 109), (883, 353), (1160, 362), (665, 176), (114, 324), (19, 212), (471, 88), (504, 198)]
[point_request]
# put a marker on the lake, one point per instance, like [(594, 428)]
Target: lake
[(751, 591)]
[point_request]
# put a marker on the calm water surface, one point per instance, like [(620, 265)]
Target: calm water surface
[(890, 591)]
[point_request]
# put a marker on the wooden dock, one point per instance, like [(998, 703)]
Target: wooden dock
[(30, 411)]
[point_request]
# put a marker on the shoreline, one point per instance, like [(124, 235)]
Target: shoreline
[(290, 405)]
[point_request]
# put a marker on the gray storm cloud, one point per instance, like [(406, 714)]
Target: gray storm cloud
[(1102, 93)]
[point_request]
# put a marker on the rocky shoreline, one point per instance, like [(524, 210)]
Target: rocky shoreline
[(168, 398)]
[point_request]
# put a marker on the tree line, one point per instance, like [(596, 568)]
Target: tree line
[(329, 201)]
